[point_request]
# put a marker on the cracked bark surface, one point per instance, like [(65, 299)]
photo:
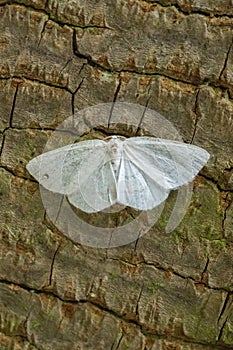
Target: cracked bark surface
[(164, 291)]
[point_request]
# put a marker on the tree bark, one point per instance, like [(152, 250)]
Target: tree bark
[(164, 291)]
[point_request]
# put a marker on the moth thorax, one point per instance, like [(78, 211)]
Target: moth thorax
[(115, 148)]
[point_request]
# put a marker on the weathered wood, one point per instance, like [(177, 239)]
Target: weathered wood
[(165, 291)]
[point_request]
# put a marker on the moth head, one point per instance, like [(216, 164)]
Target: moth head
[(114, 144)]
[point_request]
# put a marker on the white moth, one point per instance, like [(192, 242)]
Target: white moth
[(138, 172)]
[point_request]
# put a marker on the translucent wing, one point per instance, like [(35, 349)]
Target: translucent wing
[(169, 163), (148, 169), (97, 190), (58, 170), (136, 189)]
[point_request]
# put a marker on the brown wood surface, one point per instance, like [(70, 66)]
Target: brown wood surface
[(170, 291)]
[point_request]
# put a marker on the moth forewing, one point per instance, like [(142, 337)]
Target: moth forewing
[(138, 172)]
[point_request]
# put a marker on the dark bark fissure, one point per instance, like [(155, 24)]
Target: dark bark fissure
[(117, 342), (98, 66), (204, 275), (42, 32), (74, 93), (66, 65), (221, 331), (181, 9), (221, 316), (158, 266), (38, 81), (52, 265), (2, 144), (115, 314), (12, 172), (184, 9), (198, 116), (114, 100), (50, 16), (13, 106), (225, 62), (137, 303), (211, 179), (87, 58), (143, 114), (224, 306)]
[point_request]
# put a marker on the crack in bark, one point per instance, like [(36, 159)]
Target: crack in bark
[(94, 64), (2, 144), (114, 313), (52, 264), (65, 65), (12, 172), (221, 330), (59, 209), (98, 66), (158, 73), (221, 315), (13, 106), (29, 128), (87, 58), (172, 271), (137, 304), (75, 92), (114, 100), (197, 11), (46, 4), (229, 169), (215, 182), (44, 10), (37, 81), (39, 129), (26, 128), (51, 16), (138, 237), (198, 115), (224, 307), (42, 32), (226, 60), (143, 114), (115, 346), (204, 275)]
